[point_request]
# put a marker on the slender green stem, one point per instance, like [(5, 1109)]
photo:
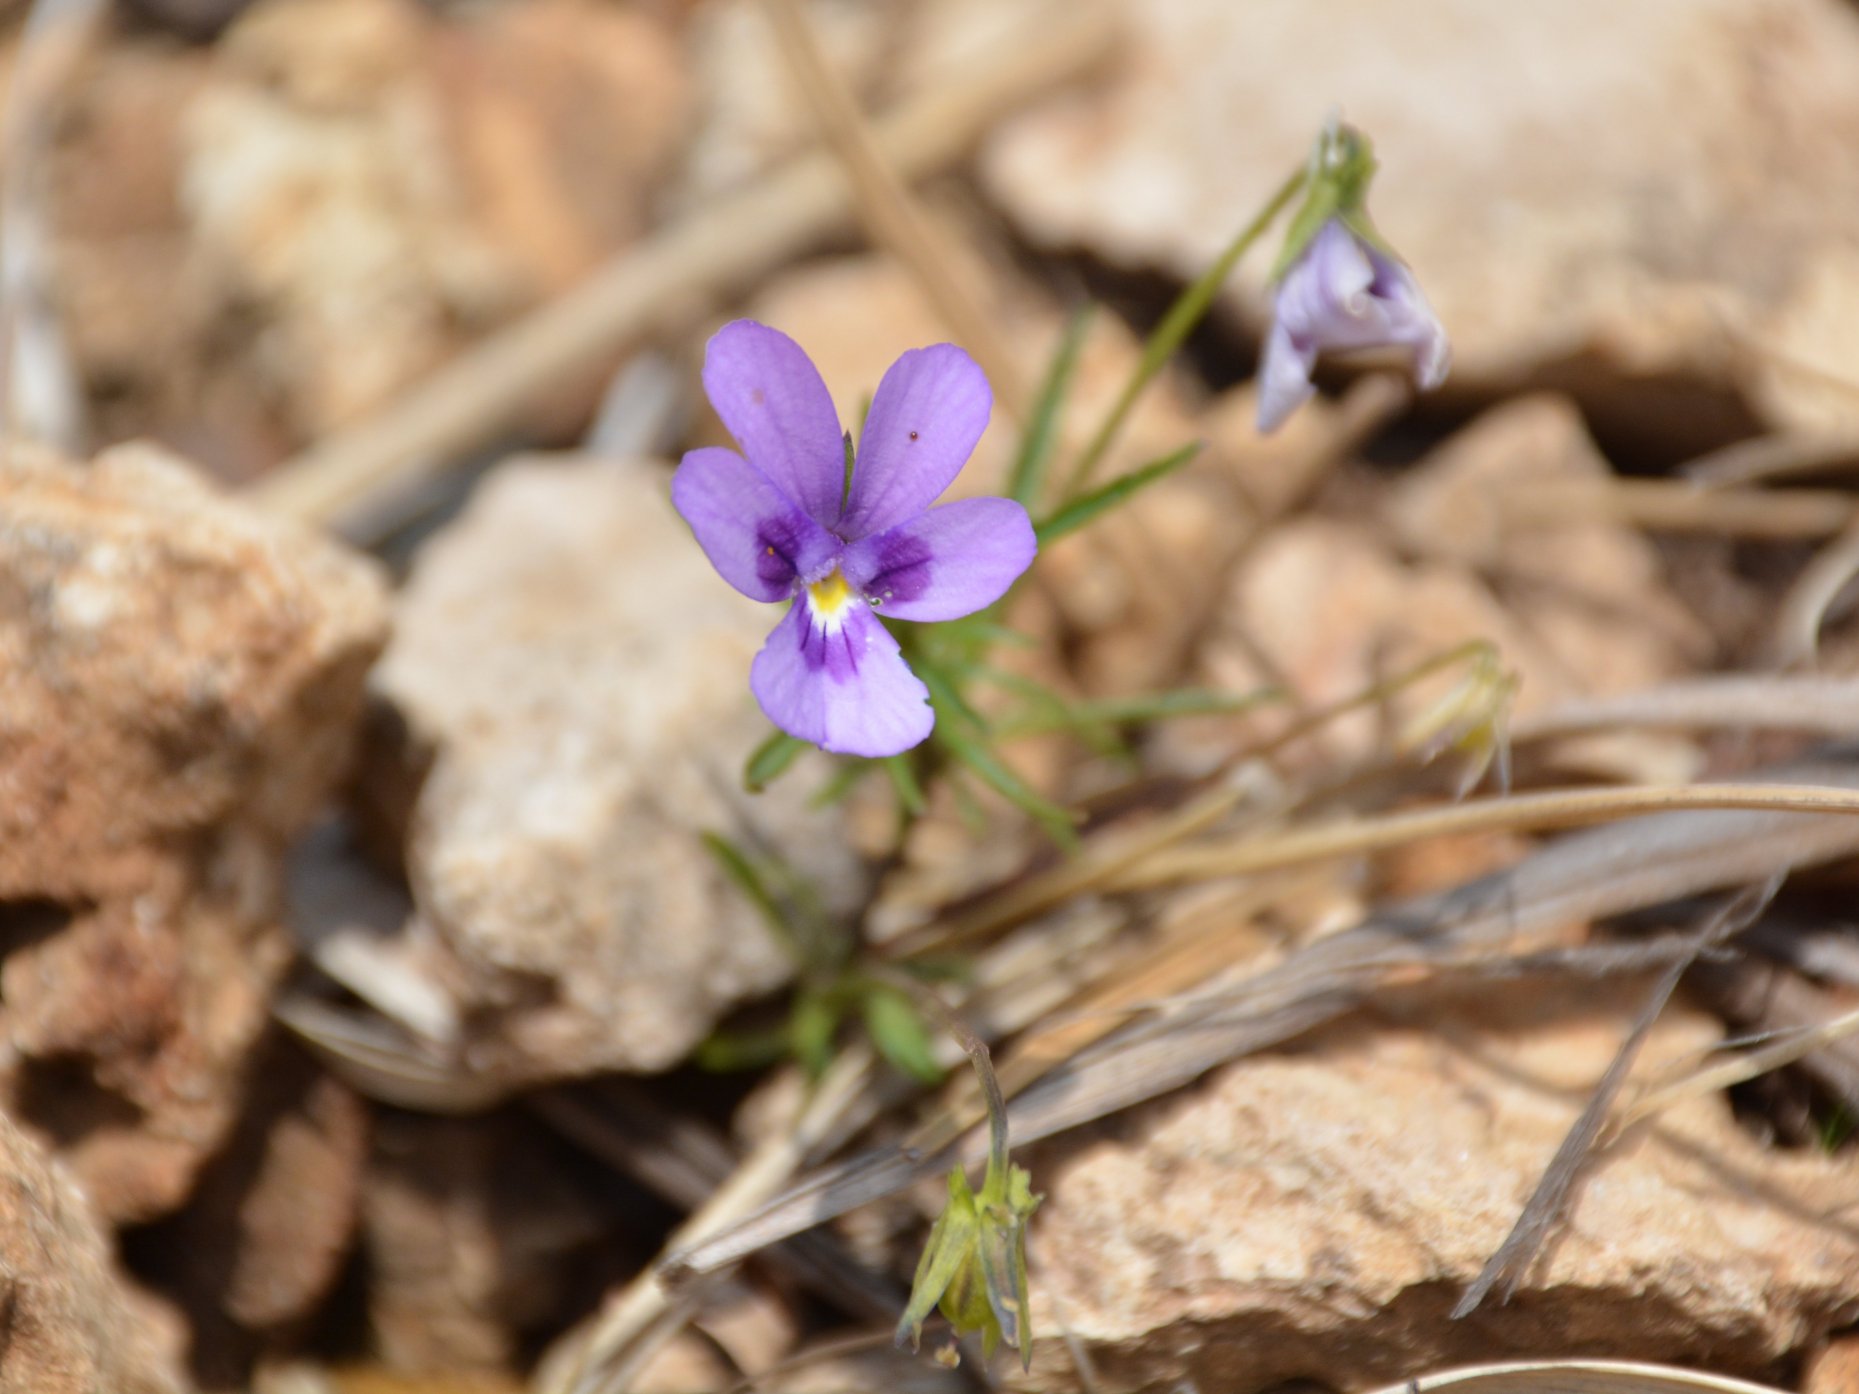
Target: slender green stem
[(1187, 311), (978, 1056)]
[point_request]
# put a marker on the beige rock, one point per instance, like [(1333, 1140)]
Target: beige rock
[(1834, 1369), (73, 1328), (367, 185), (319, 195), (581, 676), (1316, 1213), (1622, 204), (180, 685), (1592, 590)]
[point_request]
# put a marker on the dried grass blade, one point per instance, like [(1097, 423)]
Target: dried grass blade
[(1628, 866), (1575, 1377), (1546, 1204)]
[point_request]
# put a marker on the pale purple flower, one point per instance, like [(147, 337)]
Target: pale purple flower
[(781, 524), (1343, 292)]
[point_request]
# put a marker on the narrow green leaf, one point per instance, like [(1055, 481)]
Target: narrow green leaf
[(843, 781), (769, 760), (1082, 510), (980, 630), (945, 696), (899, 1033), (811, 1028), (1027, 481), (1049, 712), (904, 781), (989, 769), (1189, 309), (730, 1052), (845, 491), (741, 869), (1138, 709)]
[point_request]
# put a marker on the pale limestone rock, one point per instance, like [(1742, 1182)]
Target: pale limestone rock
[(580, 675), (181, 684), (1638, 206), (1316, 1213)]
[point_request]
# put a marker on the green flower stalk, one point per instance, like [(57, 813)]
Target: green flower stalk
[(974, 1266), (1340, 286)]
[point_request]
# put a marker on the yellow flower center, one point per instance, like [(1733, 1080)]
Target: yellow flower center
[(830, 595)]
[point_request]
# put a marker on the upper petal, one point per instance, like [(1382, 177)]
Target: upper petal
[(925, 419), (844, 687), (755, 536), (771, 397), (946, 563)]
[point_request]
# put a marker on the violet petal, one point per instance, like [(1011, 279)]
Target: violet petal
[(771, 398), (1344, 294), (842, 685), (755, 536), (946, 563), (1284, 377), (925, 420)]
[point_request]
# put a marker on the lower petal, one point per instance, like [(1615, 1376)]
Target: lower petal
[(1284, 378), (843, 687)]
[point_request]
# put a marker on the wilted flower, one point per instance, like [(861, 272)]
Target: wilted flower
[(1340, 288), (796, 519), (974, 1266)]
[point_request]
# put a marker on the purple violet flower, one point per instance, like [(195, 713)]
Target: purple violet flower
[(1343, 292), (783, 524)]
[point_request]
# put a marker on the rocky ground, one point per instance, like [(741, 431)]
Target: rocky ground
[(366, 974)]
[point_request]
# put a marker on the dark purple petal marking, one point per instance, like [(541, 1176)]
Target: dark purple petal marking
[(946, 563), (782, 550), (755, 536), (903, 567)]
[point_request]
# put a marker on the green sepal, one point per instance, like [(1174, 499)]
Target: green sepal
[(951, 1241), (1342, 166)]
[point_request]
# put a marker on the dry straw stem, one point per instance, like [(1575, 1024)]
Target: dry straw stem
[(1588, 875), (1673, 505), (1795, 639), (884, 203), (1574, 1377), (1772, 457), (1765, 702), (726, 243), (604, 1357), (1562, 808), (1740, 1068)]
